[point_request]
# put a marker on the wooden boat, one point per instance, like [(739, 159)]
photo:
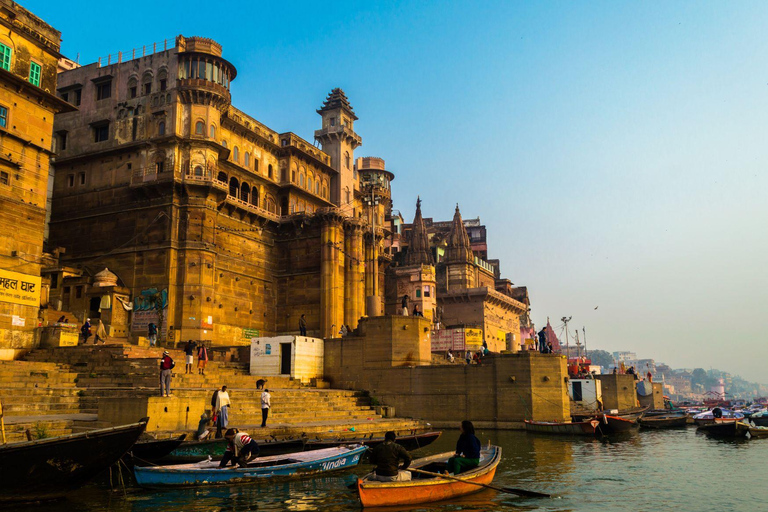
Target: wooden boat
[(49, 468), (276, 466), (721, 427), (631, 414), (708, 417), (155, 449), (756, 431), (614, 424), (425, 489), (574, 428), (409, 442), (662, 422)]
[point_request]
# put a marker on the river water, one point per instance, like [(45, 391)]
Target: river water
[(643, 471)]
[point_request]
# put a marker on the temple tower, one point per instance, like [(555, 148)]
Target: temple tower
[(339, 140)]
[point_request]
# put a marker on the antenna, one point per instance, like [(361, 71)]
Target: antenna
[(565, 320)]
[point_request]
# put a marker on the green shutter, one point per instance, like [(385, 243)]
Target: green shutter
[(34, 73), (5, 57)]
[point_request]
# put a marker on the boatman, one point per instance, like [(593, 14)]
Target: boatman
[(240, 449), (387, 457)]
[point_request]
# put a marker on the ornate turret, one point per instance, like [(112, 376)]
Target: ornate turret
[(337, 100), (459, 248), (418, 243)]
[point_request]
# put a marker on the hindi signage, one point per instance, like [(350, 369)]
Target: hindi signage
[(19, 288)]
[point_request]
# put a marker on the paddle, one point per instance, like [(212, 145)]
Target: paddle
[(508, 490)]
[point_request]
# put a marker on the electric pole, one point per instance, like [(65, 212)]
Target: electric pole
[(565, 320)]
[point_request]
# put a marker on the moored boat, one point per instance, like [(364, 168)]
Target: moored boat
[(151, 450), (722, 427), (49, 468), (614, 424), (709, 417), (757, 431), (662, 422), (427, 489), (575, 428), (409, 442), (208, 472), (631, 414)]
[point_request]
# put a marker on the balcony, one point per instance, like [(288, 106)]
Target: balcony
[(150, 176), (251, 208)]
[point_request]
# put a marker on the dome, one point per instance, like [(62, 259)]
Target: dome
[(105, 278)]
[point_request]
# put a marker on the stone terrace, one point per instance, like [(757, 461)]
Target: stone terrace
[(57, 391)]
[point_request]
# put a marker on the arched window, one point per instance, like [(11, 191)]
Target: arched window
[(222, 176), (234, 187), (199, 128), (325, 192), (224, 143), (146, 84), (132, 87), (309, 183), (199, 170), (269, 171), (236, 154), (301, 180), (213, 132), (293, 176), (256, 164), (346, 159), (161, 128), (255, 196), (317, 187), (247, 159), (346, 195), (245, 192)]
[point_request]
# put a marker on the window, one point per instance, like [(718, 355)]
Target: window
[(103, 90), (269, 171), (78, 292), (148, 88), (4, 178), (301, 180), (64, 96), (101, 132), (199, 170), (71, 180), (418, 294), (309, 184), (161, 128), (317, 187), (247, 159), (34, 73), (213, 132), (62, 140), (159, 166), (426, 291), (199, 128), (236, 154), (224, 143), (5, 57), (4, 117), (78, 96), (346, 159), (163, 84), (333, 121), (81, 178), (66, 290)]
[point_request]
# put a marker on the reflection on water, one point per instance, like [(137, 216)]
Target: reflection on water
[(667, 470)]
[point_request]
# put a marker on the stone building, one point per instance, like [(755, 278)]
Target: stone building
[(239, 228), (29, 52)]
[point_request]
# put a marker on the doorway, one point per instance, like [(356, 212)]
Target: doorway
[(285, 358), (577, 394)]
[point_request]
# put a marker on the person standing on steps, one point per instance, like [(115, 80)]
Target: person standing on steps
[(266, 403), (202, 358), (189, 356), (152, 334), (302, 326), (222, 410), (166, 366), (85, 330)]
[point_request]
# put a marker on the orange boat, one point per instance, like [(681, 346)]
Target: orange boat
[(426, 489)]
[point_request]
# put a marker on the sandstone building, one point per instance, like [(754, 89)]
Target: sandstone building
[(29, 52), (219, 227)]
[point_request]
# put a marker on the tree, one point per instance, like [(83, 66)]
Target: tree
[(601, 357)]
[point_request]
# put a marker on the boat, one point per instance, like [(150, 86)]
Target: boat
[(708, 417), (575, 428), (49, 468), (610, 424), (631, 414), (756, 431), (410, 442), (154, 449), (664, 421), (723, 427), (208, 472), (759, 418), (428, 489)]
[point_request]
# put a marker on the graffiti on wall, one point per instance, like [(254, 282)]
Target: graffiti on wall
[(150, 306)]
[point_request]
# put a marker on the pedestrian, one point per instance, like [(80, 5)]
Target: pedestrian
[(549, 347), (404, 303), (222, 410), (416, 311), (85, 330), (302, 326), (189, 355), (468, 356), (266, 403), (166, 366), (101, 334), (152, 334), (343, 331), (543, 340), (202, 358), (649, 376), (449, 356), (240, 449)]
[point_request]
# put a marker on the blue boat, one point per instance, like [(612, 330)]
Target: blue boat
[(277, 466)]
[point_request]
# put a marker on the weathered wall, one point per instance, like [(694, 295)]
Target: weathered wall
[(618, 391), (654, 400)]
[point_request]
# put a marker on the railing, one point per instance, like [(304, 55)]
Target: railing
[(143, 51), (484, 264), (245, 205)]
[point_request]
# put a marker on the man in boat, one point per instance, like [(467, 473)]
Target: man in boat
[(387, 457), (467, 450), (240, 449)]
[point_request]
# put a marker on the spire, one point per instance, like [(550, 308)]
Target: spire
[(459, 248), (419, 252), (337, 100)]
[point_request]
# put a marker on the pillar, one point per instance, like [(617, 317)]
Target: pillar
[(332, 277)]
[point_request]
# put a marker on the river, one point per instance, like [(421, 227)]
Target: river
[(676, 470)]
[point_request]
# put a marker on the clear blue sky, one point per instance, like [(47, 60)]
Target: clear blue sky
[(616, 151)]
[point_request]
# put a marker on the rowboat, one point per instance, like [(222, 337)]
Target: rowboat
[(757, 431), (708, 417), (154, 449), (722, 427), (49, 468), (575, 428), (427, 489), (630, 414), (276, 466), (661, 422), (614, 424)]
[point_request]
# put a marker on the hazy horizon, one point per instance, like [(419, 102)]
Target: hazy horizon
[(615, 151)]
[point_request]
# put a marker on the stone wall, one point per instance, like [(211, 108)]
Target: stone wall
[(618, 391)]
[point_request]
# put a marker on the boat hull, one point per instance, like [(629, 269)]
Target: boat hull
[(150, 451), (580, 428), (50, 468), (722, 428), (418, 491), (616, 424), (207, 473), (664, 422)]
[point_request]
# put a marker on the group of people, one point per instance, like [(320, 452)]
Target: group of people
[(545, 347), (85, 331), (220, 404), (404, 307)]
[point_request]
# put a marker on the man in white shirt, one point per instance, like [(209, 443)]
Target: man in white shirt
[(222, 409), (265, 405)]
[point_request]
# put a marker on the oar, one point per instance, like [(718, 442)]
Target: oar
[(508, 490)]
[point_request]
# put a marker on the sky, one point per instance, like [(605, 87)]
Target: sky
[(616, 151)]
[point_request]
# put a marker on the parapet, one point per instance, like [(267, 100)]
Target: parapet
[(198, 45)]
